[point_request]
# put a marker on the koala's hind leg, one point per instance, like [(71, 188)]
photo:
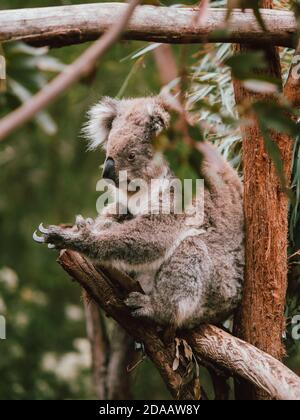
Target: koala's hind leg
[(178, 295)]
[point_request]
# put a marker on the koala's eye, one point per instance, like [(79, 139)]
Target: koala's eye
[(131, 156)]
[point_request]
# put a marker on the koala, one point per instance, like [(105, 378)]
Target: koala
[(190, 267)]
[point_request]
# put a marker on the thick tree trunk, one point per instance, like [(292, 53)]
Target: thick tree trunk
[(261, 318)]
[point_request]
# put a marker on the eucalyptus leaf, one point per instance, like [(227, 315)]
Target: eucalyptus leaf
[(43, 119)]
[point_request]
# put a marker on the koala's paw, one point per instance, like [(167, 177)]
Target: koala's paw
[(140, 305), (55, 236), (82, 223)]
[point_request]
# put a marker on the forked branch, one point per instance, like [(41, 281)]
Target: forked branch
[(108, 288)]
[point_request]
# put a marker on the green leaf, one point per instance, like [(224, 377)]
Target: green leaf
[(277, 117), (43, 119), (274, 153), (141, 51), (247, 65), (133, 70), (195, 132)]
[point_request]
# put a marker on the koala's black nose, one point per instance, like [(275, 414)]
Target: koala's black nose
[(109, 171)]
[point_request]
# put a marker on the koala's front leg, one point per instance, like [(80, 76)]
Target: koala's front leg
[(141, 241)]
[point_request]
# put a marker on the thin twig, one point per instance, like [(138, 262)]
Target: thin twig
[(295, 254), (202, 13)]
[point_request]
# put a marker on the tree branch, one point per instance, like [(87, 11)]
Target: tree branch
[(110, 358), (68, 77), (245, 361), (64, 25), (78, 23), (118, 379), (100, 347), (108, 292), (208, 342)]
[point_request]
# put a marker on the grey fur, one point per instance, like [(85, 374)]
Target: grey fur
[(191, 274)]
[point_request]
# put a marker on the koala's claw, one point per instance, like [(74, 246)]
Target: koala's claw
[(37, 238), (52, 236), (42, 229), (140, 304), (41, 239)]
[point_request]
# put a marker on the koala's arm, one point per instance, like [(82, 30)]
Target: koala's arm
[(142, 240), (138, 241)]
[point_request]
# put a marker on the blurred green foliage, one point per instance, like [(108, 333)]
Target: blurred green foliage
[(52, 178), (46, 175)]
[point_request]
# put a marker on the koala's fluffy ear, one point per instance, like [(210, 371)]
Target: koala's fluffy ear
[(100, 119)]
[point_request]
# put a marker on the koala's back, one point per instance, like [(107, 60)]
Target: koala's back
[(225, 238), (202, 280), (190, 288)]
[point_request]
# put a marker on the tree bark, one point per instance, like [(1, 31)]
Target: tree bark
[(109, 288), (99, 343), (65, 25), (261, 318), (234, 355), (110, 358), (118, 378)]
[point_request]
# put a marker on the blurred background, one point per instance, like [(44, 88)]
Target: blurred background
[(47, 175)]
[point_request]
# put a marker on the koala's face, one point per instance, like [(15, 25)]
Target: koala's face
[(126, 129)]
